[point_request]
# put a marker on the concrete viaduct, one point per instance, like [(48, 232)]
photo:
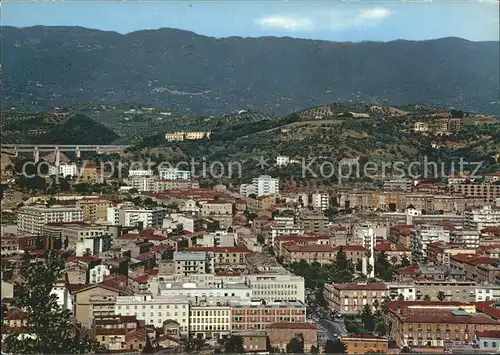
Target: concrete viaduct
[(58, 148)]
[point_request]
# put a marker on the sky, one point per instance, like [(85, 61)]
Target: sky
[(333, 20)]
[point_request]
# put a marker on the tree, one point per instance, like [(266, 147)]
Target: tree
[(342, 268), (234, 345), (148, 348), (260, 238), (335, 347), (314, 350), (295, 346), (367, 318), (401, 297), (404, 261), (52, 328), (383, 268), (427, 298), (441, 296)]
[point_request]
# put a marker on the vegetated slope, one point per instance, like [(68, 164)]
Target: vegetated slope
[(77, 129), (48, 66)]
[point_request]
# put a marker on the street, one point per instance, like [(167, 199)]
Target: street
[(333, 328)]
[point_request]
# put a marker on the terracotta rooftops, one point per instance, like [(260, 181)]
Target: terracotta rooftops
[(284, 325), (374, 286)]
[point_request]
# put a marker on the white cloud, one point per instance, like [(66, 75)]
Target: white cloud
[(334, 20), (290, 23), (378, 13)]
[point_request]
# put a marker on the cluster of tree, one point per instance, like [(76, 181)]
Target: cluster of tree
[(52, 328), (384, 268), (374, 321), (341, 270)]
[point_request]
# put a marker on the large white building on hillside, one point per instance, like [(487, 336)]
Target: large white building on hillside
[(31, 219)]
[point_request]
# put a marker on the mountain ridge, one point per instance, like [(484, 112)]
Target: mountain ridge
[(44, 67)]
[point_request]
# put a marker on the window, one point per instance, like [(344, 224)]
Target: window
[(485, 344), (494, 344)]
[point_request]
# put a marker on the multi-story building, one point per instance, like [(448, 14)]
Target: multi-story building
[(94, 209), (90, 173), (395, 252), (200, 262), (488, 341), (155, 310), (468, 239), (424, 234), (282, 228), (281, 333), (64, 170), (132, 217), (436, 323), (314, 223), (140, 172), (225, 258), (439, 253), (351, 298), (189, 135), (486, 192), (321, 200), (190, 290), (259, 315), (174, 174), (217, 207), (262, 186), (365, 344), (210, 318), (398, 184), (481, 217), (30, 219), (276, 287), (321, 253)]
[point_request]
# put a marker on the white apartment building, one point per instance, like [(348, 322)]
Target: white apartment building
[(155, 310), (282, 160), (64, 299), (131, 217), (424, 234), (64, 170), (199, 262), (94, 245), (217, 239), (276, 287), (398, 290), (487, 292), (30, 219), (247, 189), (266, 185), (98, 273), (481, 217), (191, 290), (174, 174), (284, 229), (210, 318), (142, 183), (321, 200), (140, 172), (469, 239)]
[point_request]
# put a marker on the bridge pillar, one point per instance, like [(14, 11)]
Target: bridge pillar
[(78, 152), (58, 156), (36, 155)]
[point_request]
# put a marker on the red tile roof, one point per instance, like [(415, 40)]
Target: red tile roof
[(495, 334), (350, 247), (413, 269), (85, 258), (386, 247), (488, 307), (284, 325), (311, 248), (375, 286), (219, 249), (365, 337)]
